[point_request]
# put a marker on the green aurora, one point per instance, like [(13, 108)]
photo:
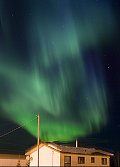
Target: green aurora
[(63, 79)]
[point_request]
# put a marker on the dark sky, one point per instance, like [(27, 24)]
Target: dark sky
[(60, 58)]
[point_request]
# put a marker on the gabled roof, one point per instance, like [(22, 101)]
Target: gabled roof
[(79, 150), (70, 149)]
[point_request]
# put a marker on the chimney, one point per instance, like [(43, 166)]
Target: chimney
[(76, 143)]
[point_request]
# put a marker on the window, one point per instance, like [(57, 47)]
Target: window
[(104, 161), (81, 160), (92, 159), (67, 161)]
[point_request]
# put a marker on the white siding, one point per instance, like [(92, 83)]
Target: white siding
[(47, 157)]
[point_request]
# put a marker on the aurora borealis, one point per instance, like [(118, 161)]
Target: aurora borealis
[(50, 63)]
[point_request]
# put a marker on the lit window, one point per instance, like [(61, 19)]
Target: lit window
[(92, 160), (67, 161), (81, 160), (104, 161)]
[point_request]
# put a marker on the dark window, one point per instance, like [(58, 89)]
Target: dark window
[(67, 161), (81, 160), (104, 161), (92, 159)]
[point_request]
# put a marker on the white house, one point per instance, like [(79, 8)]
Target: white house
[(51, 154), (12, 160)]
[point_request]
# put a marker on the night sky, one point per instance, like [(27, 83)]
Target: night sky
[(61, 59)]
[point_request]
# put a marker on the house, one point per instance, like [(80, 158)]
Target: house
[(51, 154), (12, 160)]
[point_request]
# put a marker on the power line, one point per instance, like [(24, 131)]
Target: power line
[(13, 130)]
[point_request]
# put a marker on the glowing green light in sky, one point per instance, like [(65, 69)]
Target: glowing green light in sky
[(60, 80)]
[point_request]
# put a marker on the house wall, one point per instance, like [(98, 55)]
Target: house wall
[(47, 157), (8, 160), (74, 160)]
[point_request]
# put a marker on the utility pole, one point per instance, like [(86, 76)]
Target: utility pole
[(38, 140)]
